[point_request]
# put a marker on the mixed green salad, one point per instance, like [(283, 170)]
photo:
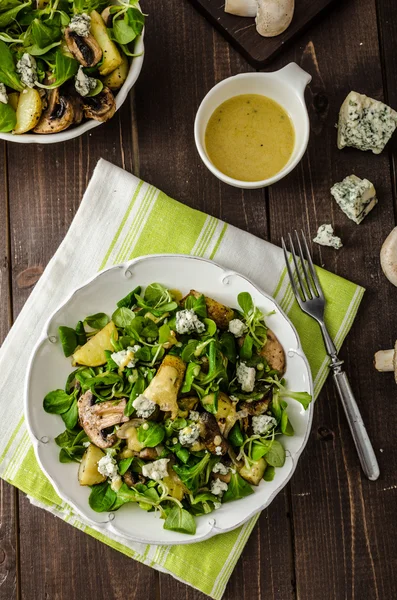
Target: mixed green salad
[(63, 60), (176, 404)]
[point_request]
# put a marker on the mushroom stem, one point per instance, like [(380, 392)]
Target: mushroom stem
[(386, 360), (383, 360)]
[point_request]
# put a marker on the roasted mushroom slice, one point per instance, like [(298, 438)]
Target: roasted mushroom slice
[(94, 418), (77, 108), (274, 353), (211, 435), (58, 115), (85, 49), (258, 407), (100, 107), (107, 16)]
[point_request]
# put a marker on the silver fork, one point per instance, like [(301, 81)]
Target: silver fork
[(310, 297)]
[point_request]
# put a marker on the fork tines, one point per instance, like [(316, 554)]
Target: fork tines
[(305, 283)]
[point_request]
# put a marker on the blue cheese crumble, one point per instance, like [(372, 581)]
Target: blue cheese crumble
[(187, 322), (27, 69), (188, 435), (246, 377), (365, 123), (237, 327), (107, 466), (81, 24), (262, 424), (355, 196), (84, 85), (194, 415), (125, 358), (156, 470), (220, 468), (144, 407), (218, 487), (3, 94), (325, 237)]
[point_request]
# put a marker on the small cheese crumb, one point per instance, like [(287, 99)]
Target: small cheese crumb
[(237, 327), (187, 322), (188, 435), (3, 94), (83, 83), (81, 24), (156, 470), (355, 196), (27, 68), (194, 415), (126, 358), (325, 237), (107, 466), (218, 487), (144, 407), (262, 424), (220, 468), (246, 377)]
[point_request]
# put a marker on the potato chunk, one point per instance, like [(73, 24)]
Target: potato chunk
[(88, 470), (28, 110), (165, 385), (111, 55), (254, 473), (92, 354), (117, 78)]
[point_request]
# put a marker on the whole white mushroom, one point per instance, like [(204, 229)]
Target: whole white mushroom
[(388, 257), (272, 16)]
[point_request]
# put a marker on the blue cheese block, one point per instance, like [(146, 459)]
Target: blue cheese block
[(325, 237), (365, 123), (355, 196)]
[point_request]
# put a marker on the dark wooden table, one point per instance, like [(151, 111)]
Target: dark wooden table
[(330, 534)]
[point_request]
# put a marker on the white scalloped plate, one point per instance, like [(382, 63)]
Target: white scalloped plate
[(48, 369)]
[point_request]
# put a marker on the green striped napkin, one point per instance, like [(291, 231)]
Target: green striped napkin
[(121, 218)]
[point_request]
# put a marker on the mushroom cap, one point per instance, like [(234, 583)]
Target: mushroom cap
[(242, 8), (58, 115), (274, 16), (100, 107), (94, 418), (388, 257), (84, 49)]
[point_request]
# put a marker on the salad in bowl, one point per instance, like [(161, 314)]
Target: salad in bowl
[(63, 63), (176, 404)]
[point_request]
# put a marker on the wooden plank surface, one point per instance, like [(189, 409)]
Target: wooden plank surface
[(331, 533), (8, 495), (241, 31), (340, 529)]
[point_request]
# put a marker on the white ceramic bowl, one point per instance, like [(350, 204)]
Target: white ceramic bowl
[(286, 87), (73, 132), (48, 370)]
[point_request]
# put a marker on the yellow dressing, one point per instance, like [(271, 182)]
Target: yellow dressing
[(250, 137)]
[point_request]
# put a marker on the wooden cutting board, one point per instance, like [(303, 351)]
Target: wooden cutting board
[(241, 32)]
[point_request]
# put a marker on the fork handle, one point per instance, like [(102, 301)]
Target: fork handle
[(362, 442)]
